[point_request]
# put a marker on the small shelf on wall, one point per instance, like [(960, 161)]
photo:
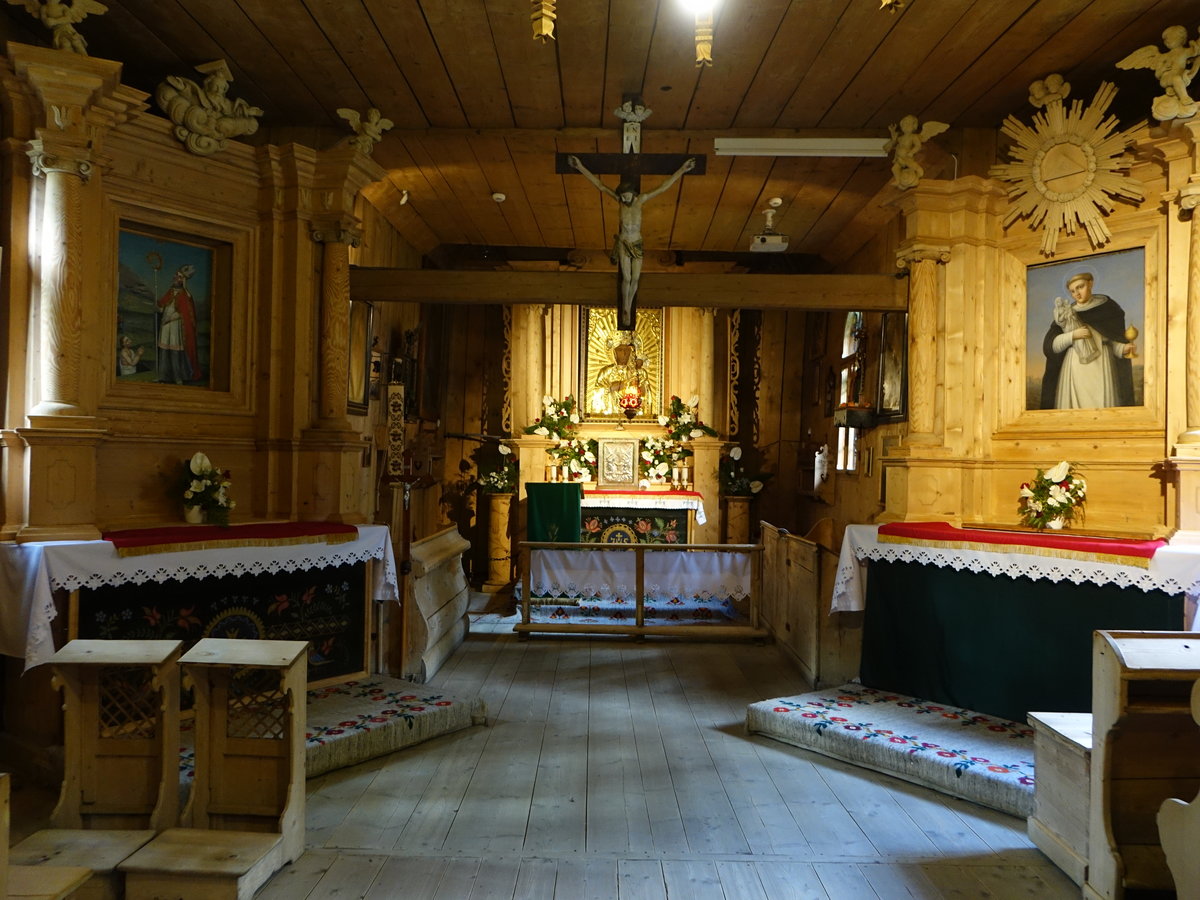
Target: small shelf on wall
[(853, 417)]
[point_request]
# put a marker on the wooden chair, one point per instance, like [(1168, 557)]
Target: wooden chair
[(121, 758), (246, 809)]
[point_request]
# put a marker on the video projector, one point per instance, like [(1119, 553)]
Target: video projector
[(769, 242)]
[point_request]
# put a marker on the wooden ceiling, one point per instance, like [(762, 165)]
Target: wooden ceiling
[(480, 107)]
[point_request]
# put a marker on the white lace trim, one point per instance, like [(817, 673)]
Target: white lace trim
[(661, 501)]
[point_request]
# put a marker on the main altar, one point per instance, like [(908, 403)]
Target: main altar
[(668, 355)]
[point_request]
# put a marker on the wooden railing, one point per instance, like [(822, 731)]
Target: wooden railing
[(639, 627)]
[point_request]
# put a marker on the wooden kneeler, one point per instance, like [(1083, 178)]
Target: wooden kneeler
[(121, 759), (246, 810)]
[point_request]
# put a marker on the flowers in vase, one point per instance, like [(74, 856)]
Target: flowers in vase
[(682, 423), (502, 477), (1052, 499), (735, 480), (206, 486)]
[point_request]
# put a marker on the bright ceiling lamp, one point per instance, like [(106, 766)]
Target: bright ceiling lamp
[(800, 146)]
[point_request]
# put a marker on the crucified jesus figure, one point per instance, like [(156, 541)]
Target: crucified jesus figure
[(627, 245)]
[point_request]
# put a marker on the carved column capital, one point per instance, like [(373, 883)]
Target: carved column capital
[(919, 251), (1189, 195), (340, 231), (67, 159)]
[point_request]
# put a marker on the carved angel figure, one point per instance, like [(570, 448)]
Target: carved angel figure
[(205, 118), (1174, 68), (368, 129), (905, 143), (60, 17)]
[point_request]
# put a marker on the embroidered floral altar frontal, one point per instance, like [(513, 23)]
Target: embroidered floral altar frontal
[(957, 751)]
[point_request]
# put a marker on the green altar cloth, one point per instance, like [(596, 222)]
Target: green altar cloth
[(992, 643), (553, 512)]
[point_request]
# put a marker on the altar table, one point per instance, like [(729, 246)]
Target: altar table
[(942, 626), (30, 573)]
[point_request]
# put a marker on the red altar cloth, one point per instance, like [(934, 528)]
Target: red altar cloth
[(140, 541), (940, 534)]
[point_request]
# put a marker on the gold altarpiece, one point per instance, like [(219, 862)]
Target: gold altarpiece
[(555, 353)]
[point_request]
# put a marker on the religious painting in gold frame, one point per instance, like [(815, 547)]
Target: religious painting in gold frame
[(613, 359)]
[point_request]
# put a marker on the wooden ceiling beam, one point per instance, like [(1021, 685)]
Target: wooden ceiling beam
[(741, 291)]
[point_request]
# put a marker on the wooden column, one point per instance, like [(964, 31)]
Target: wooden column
[(708, 324), (922, 262), (333, 476), (336, 237), (1186, 460), (1189, 200), (499, 542), (70, 104)]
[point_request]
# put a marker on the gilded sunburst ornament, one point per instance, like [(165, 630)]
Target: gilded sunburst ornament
[(1067, 165)]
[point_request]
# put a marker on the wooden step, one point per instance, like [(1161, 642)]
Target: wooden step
[(99, 851), (194, 864), (45, 882)]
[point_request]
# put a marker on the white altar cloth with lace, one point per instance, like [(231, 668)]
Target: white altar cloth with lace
[(1175, 570), (30, 573), (690, 500), (715, 574)]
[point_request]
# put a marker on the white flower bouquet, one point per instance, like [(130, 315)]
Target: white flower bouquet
[(1052, 499), (207, 487), (558, 421)]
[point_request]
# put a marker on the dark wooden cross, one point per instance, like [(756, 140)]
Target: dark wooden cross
[(630, 165)]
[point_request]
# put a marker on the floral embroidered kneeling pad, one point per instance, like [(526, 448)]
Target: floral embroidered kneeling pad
[(957, 751)]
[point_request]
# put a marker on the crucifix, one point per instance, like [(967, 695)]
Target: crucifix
[(630, 164)]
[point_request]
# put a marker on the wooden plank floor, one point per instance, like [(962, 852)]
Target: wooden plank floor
[(616, 770)]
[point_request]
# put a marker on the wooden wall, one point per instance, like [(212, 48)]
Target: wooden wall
[(985, 443), (284, 214)]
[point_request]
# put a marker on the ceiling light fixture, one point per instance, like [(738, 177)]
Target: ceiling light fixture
[(800, 146), (703, 12)]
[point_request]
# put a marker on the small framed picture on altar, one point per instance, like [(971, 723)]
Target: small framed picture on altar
[(616, 463)]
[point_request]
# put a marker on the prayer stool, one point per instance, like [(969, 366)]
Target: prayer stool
[(121, 760), (246, 810), (1063, 762), (1146, 749)]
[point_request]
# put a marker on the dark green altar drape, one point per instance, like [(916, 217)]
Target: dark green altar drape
[(995, 644), (553, 513)]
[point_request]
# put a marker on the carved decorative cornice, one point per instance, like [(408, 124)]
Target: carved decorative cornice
[(916, 252)]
